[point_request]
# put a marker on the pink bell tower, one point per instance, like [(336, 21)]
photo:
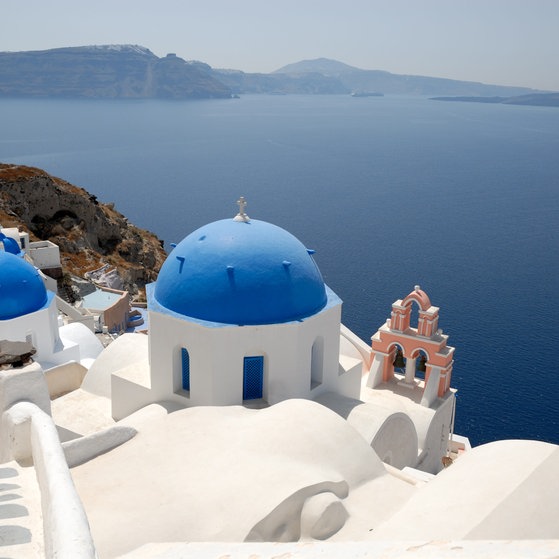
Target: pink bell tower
[(397, 341)]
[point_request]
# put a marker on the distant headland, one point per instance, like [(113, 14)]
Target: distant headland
[(106, 72), (534, 99), (134, 72)]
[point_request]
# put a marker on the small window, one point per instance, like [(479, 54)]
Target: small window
[(185, 362), (317, 362)]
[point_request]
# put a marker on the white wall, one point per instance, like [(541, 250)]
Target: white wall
[(44, 254), (52, 348), (217, 353), (64, 378), (433, 431), (41, 324), (23, 383)]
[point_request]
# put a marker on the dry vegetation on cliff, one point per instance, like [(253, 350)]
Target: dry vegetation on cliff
[(88, 232)]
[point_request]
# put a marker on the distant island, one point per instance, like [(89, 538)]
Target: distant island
[(326, 76), (367, 94), (134, 72), (534, 99)]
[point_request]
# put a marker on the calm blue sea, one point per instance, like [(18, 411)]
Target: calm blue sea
[(460, 198)]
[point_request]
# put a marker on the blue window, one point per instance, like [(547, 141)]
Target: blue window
[(253, 375), (185, 361)]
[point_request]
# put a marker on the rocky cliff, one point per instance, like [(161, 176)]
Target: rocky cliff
[(109, 71), (88, 232)]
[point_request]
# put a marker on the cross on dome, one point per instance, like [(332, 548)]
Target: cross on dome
[(242, 216)]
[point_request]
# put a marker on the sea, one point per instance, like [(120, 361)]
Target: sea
[(392, 192)]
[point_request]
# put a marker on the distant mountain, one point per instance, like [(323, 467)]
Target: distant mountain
[(356, 79), (534, 99), (108, 71), (325, 66)]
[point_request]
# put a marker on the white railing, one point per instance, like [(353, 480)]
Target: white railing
[(32, 433)]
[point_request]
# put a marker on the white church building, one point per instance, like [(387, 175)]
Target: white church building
[(239, 314), (28, 312)]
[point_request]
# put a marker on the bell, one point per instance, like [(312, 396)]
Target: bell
[(422, 365), (399, 362)]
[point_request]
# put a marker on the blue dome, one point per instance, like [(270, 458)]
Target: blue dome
[(237, 272), (22, 290), (9, 245)]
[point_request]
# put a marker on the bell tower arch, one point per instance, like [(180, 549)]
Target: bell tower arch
[(400, 346)]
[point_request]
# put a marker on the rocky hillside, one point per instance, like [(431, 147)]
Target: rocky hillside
[(110, 72), (88, 232)]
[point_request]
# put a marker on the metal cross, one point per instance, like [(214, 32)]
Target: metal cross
[(242, 216)]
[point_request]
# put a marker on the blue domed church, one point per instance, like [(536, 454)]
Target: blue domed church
[(240, 314), (28, 310)]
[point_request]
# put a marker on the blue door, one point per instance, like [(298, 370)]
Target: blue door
[(253, 375)]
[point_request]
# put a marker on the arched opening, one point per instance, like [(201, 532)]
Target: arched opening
[(317, 362), (399, 361), (420, 364), (403, 365), (414, 314)]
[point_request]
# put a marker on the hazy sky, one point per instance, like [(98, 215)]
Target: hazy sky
[(509, 42)]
